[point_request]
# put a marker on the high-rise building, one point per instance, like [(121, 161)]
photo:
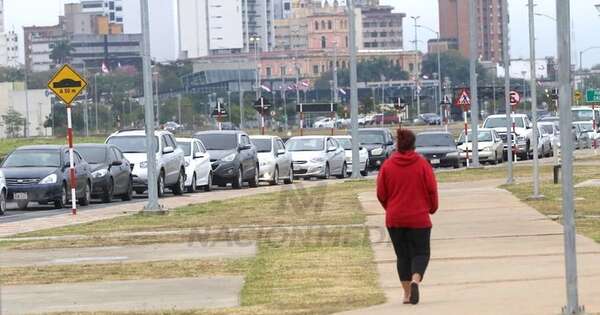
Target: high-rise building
[(454, 26), (76, 21), (113, 9), (282, 9), (38, 43), (382, 28), (1, 16), (9, 43)]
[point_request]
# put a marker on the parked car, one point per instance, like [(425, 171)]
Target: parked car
[(326, 122), (550, 130), (170, 164), (582, 136), (274, 160), (388, 119), (522, 129), (544, 143), (317, 156), (229, 126), (588, 127), (439, 148), (198, 169), (173, 127), (233, 157), (363, 153), (490, 146), (3, 193), (431, 119), (111, 172), (41, 174), (379, 142)]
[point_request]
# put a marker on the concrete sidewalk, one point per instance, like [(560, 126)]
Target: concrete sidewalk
[(491, 254)]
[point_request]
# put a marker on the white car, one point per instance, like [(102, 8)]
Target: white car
[(3, 192), (198, 169), (363, 154), (490, 146), (522, 129), (325, 123), (170, 164), (589, 128), (317, 156), (274, 160)]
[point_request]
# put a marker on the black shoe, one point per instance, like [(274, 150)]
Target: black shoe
[(414, 293)]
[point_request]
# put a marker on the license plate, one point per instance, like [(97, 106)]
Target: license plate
[(20, 196), (435, 161)]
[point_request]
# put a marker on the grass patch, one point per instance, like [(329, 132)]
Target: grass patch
[(331, 204), (519, 171)]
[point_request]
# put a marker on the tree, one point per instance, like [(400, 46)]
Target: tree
[(9, 74), (61, 52), (453, 65), (13, 122)]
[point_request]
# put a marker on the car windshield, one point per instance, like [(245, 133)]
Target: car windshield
[(484, 136), (132, 144), (582, 114), (434, 140), (586, 127), (500, 122), (33, 158), (93, 155), (314, 144), (346, 143), (186, 147), (547, 129), (218, 141), (262, 145), (371, 137)]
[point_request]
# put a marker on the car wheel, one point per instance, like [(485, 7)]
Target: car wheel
[(22, 205), (208, 185), (495, 160), (87, 195), (456, 164), (107, 195), (3, 202), (254, 181), (192, 187), (366, 171), (139, 191), (129, 194), (161, 184), (343, 173), (290, 178), (326, 173), (179, 187), (238, 181), (275, 180), (61, 203)]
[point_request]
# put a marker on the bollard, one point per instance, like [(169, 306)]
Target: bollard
[(556, 170)]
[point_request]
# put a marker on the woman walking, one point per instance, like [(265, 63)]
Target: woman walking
[(407, 190)]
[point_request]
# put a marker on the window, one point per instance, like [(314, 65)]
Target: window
[(316, 25), (282, 70), (112, 156), (323, 24), (323, 42), (322, 68), (316, 69), (329, 24), (268, 71)]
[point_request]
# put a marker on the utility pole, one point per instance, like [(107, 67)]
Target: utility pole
[(533, 88), (179, 107), (26, 129), (241, 96), (563, 27), (335, 76), (416, 67), (473, 54), (353, 91), (96, 101), (506, 57), (152, 206)]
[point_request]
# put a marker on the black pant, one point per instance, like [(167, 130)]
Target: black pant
[(412, 251)]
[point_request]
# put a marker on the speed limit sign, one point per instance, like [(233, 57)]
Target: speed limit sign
[(515, 98)]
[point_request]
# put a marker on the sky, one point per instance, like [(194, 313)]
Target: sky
[(586, 22)]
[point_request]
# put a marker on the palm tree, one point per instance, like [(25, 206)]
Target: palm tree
[(61, 52)]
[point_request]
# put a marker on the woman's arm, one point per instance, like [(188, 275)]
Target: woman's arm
[(432, 189), (381, 191)]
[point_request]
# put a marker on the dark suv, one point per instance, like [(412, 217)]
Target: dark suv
[(233, 157), (379, 142)]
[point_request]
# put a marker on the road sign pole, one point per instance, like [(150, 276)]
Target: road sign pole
[(473, 56), (533, 87), (219, 124), (514, 130), (332, 119), (506, 61), (262, 116), (466, 133), (354, 91), (595, 129), (72, 178)]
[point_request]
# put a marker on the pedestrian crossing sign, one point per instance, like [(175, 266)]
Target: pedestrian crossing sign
[(464, 100)]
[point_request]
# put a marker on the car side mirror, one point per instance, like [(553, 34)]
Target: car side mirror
[(244, 147), (117, 163), (168, 150), (198, 155), (280, 152), (390, 143), (459, 143), (330, 149)]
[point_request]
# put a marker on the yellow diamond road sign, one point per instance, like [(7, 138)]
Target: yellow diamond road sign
[(67, 84)]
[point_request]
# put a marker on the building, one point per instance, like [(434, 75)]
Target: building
[(9, 49), (282, 9), (38, 43), (381, 28), (113, 9), (434, 45), (36, 102), (454, 25), (76, 21), (90, 51)]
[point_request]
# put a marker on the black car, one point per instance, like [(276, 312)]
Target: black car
[(379, 142), (233, 157), (111, 171), (438, 147), (41, 174)]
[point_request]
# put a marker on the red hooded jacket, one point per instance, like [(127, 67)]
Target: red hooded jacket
[(407, 190)]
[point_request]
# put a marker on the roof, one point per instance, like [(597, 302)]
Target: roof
[(439, 132), (342, 137), (308, 137), (212, 132), (186, 139), (263, 137), (137, 132), (43, 147), (504, 115), (93, 145), (372, 129)]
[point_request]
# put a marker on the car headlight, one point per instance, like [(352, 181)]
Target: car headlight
[(318, 159), (229, 158), (487, 149), (100, 173), (50, 179), (377, 151)]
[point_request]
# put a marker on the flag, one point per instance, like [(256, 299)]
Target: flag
[(291, 87), (342, 91), (104, 68), (305, 83), (266, 88)]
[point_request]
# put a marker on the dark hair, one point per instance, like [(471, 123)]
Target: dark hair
[(405, 140)]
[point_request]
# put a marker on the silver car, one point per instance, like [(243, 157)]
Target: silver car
[(363, 154), (274, 160), (317, 156)]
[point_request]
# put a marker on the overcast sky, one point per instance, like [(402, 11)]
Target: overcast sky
[(586, 23)]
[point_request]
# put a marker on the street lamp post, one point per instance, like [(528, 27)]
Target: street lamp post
[(533, 88), (353, 90), (473, 54), (439, 62), (506, 60), (255, 39), (583, 52), (416, 66)]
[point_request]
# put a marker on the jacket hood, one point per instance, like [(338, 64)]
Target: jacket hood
[(405, 158)]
